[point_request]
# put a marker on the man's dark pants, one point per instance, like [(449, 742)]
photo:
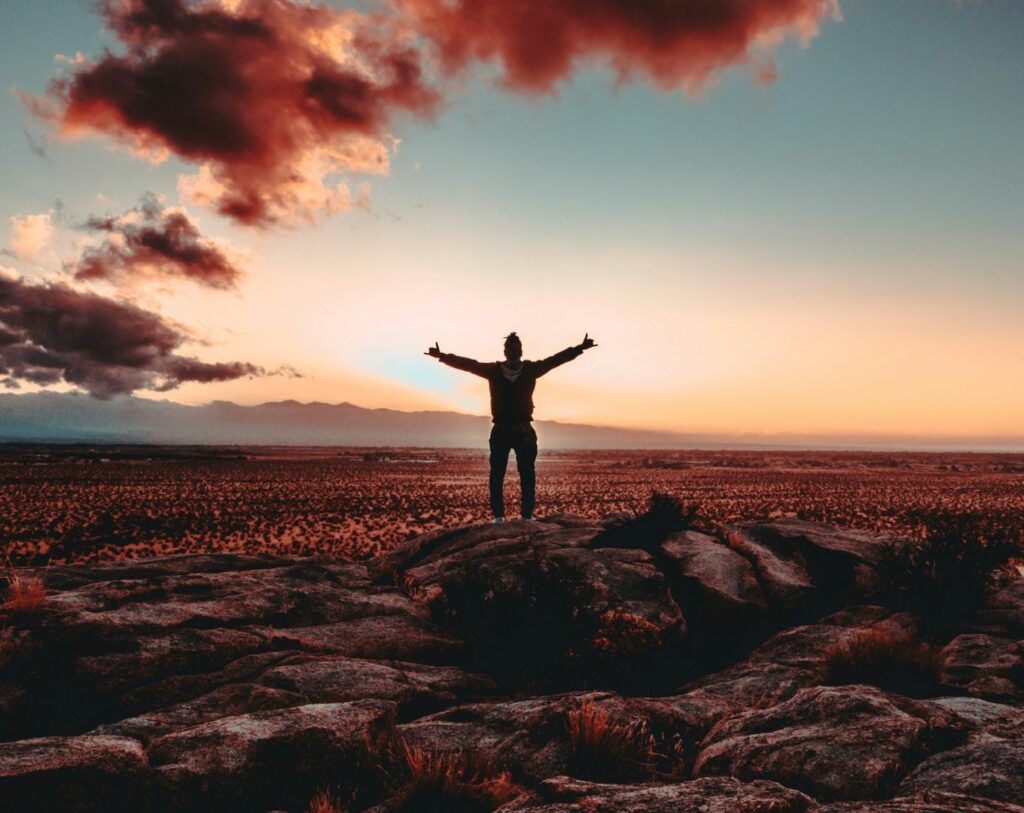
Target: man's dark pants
[(521, 438)]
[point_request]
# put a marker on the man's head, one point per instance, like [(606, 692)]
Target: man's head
[(513, 347)]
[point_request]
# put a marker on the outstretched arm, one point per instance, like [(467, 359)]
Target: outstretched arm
[(458, 362), (549, 364)]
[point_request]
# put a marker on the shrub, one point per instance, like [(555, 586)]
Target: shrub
[(426, 781), (665, 515), (624, 633), (324, 801), (609, 751), (945, 575), (890, 659), (25, 594)]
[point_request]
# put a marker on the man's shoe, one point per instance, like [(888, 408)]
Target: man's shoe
[(529, 519), (498, 519)]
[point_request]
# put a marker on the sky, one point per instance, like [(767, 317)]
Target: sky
[(808, 219)]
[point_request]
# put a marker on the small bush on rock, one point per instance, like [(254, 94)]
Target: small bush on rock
[(625, 633), (889, 659), (324, 801), (665, 515), (425, 781), (945, 575), (25, 594), (606, 750)]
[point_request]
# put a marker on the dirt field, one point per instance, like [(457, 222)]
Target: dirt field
[(83, 503)]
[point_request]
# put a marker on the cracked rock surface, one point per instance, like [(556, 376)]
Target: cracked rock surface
[(228, 682)]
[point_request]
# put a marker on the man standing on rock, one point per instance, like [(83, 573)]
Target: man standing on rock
[(511, 383)]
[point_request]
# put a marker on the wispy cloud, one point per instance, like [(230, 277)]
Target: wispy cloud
[(151, 241)]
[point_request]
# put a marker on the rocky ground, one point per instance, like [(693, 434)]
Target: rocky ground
[(542, 673)]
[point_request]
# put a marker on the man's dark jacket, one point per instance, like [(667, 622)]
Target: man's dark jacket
[(511, 401)]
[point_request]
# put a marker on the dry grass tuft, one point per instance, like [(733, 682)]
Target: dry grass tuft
[(427, 781), (610, 751), (665, 515), (324, 801), (626, 633), (25, 594), (946, 574), (891, 659)]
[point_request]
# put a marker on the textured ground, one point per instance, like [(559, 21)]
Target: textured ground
[(81, 504), (233, 682)]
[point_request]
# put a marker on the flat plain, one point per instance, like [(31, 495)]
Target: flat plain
[(88, 503)]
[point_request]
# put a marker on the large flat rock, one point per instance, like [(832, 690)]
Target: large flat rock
[(91, 773), (710, 795), (267, 759), (834, 743)]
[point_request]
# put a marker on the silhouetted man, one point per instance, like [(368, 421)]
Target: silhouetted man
[(511, 382)]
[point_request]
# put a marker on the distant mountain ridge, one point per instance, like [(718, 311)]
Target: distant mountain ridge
[(52, 417), (76, 417)]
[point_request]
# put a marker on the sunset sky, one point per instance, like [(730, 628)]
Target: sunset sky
[(797, 216)]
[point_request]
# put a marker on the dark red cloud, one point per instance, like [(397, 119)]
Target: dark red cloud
[(678, 44), (156, 242), (52, 333), (270, 97), (274, 98)]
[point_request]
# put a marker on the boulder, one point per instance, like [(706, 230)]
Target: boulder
[(232, 700), (717, 590), (270, 758), (87, 773), (931, 802), (534, 606), (1005, 608), (723, 579), (981, 715), (990, 765), (531, 737), (790, 660), (834, 743), (406, 635), (299, 593), (562, 794), (444, 542), (123, 640), (984, 666), (808, 565), (415, 688), (780, 569)]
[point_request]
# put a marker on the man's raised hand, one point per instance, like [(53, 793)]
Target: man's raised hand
[(434, 351), (587, 342)]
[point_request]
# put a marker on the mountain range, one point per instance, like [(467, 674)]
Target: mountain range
[(73, 417), (76, 417)]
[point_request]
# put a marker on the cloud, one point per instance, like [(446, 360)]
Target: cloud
[(269, 97), (677, 45), (151, 241), (277, 102), (53, 333), (30, 234)]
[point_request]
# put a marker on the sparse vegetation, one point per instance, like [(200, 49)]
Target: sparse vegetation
[(945, 574), (26, 593), (607, 750), (324, 801), (665, 515), (425, 781), (625, 633), (890, 659), (66, 505)]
